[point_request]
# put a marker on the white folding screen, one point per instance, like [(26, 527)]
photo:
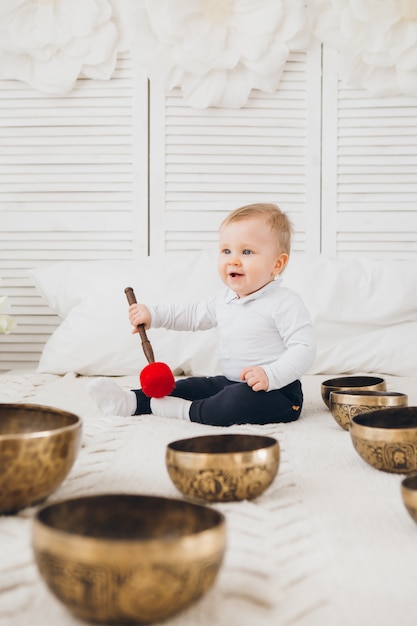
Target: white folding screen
[(369, 171), (115, 170), (73, 187), (206, 163)]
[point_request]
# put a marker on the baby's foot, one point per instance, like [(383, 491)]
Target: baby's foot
[(110, 398), (169, 406)]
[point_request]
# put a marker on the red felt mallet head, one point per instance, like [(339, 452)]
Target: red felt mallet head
[(156, 379)]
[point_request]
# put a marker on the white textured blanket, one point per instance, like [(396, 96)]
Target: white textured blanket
[(328, 544)]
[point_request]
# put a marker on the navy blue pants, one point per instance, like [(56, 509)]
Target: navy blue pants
[(218, 401)]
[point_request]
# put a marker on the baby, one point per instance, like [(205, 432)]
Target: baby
[(266, 337)]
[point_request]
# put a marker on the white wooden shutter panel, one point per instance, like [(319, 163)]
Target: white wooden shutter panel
[(369, 171), (73, 186), (205, 163)]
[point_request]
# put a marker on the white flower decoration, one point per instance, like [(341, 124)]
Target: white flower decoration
[(7, 323), (377, 42), (49, 43), (217, 51)]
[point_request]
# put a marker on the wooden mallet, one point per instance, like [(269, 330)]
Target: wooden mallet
[(156, 379)]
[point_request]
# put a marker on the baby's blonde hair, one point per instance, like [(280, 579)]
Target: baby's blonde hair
[(280, 224)]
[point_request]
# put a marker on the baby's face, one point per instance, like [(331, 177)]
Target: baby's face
[(248, 256)]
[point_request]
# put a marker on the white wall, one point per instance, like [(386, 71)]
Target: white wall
[(116, 169)]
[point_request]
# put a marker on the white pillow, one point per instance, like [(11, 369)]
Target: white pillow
[(364, 313), (359, 291), (95, 337), (390, 350)]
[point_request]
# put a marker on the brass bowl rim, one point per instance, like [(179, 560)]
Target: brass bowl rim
[(77, 421), (363, 393), (336, 382), (177, 445), (371, 419), (219, 521)]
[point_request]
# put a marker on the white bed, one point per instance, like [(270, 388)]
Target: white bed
[(330, 542)]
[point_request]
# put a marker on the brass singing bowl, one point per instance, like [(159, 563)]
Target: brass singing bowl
[(346, 404), (38, 446), (372, 383), (387, 438), (409, 495), (223, 468), (128, 559)]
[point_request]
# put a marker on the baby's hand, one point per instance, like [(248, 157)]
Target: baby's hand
[(139, 314), (256, 378)]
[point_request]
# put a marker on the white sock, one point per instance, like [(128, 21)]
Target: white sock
[(112, 399), (169, 406)]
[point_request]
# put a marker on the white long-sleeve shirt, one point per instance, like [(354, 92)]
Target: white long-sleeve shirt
[(270, 328)]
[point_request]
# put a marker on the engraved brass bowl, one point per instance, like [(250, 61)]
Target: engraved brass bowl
[(409, 495), (373, 383), (128, 559), (223, 468), (346, 404), (387, 438), (38, 446)]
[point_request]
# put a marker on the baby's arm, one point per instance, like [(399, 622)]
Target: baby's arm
[(139, 314), (294, 326), (198, 315), (256, 378)]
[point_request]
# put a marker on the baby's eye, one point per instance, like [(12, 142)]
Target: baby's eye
[(247, 252), (226, 251)]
